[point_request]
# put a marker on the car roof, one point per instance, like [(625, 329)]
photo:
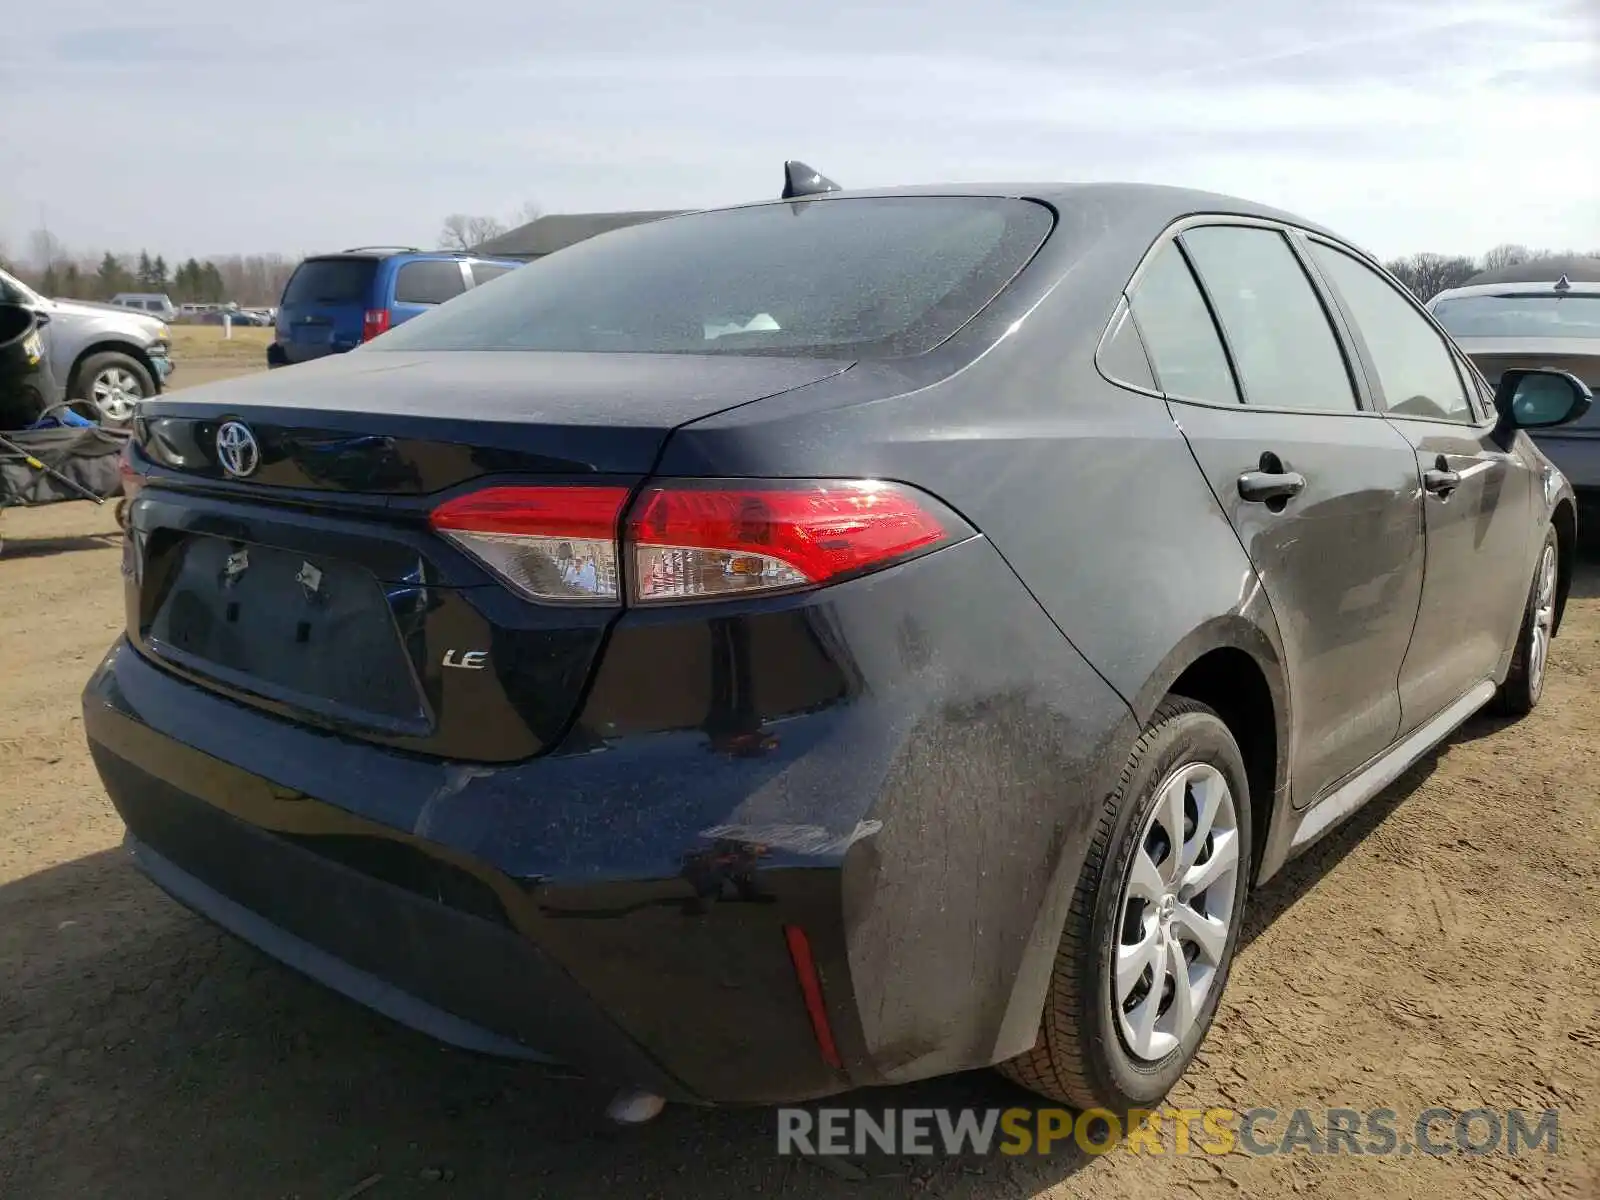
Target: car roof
[(1539, 287), (1177, 202), (376, 253), (1576, 268), (1129, 212)]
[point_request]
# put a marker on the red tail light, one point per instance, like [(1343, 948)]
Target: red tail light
[(548, 543), (688, 540), (373, 322), (692, 542)]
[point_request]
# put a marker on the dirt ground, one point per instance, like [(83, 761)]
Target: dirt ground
[(1442, 949)]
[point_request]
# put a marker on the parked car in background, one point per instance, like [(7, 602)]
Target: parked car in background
[(157, 304), (1538, 314), (825, 643), (109, 355), (241, 316), (335, 302)]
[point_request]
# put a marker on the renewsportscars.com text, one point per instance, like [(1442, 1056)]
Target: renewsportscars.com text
[(827, 1132)]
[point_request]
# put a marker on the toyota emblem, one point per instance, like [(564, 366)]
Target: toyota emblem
[(237, 449)]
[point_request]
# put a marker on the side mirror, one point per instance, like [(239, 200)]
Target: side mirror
[(1541, 398), (41, 318)]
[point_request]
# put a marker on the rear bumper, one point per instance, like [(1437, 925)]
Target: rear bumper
[(621, 904)]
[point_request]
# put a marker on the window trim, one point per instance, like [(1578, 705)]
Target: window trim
[(1351, 375), (467, 283), (1368, 363), (1127, 298), (1479, 394), (1351, 351), (1124, 308)]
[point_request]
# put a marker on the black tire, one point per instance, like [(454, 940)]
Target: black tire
[(1080, 1057), (1523, 686), (96, 365)]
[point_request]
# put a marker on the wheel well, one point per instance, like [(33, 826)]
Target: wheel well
[(127, 348), (1230, 681), (1565, 521)]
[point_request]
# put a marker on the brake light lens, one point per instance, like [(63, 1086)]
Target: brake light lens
[(691, 541), (373, 322), (550, 544)]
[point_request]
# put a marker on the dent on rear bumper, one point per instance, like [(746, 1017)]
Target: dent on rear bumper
[(906, 766)]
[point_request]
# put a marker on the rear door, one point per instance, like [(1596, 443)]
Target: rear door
[(324, 304), (1321, 491), (424, 283), (1478, 489)]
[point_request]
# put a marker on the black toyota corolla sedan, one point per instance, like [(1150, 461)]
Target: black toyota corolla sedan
[(825, 642)]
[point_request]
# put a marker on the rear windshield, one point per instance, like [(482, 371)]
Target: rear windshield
[(873, 277), (330, 281), (1543, 315)]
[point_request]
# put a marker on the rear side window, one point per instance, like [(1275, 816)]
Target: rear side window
[(482, 272), (1282, 343), (330, 281), (864, 277), (1121, 356), (1415, 369), (1179, 334), (429, 281)]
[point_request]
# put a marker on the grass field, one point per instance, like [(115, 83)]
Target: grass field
[(203, 355)]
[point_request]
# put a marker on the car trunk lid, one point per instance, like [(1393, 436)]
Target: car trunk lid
[(313, 585)]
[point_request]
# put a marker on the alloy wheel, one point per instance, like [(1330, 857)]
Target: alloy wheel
[(1544, 619), (1175, 910), (115, 391)]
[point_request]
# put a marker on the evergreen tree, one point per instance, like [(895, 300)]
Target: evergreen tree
[(211, 285), (158, 275), (186, 283), (71, 281), (111, 276), (145, 270)]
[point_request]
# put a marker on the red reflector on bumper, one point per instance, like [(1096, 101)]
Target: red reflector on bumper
[(805, 969)]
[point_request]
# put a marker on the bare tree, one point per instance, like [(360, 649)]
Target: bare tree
[(462, 231), (1507, 254), (44, 249), (254, 280), (1429, 274)]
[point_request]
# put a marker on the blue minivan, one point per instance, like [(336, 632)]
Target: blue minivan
[(335, 302)]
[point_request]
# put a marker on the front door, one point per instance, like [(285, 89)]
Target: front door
[(1322, 494), (1478, 500)]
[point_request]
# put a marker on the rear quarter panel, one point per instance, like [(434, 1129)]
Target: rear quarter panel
[(1091, 498), (1088, 489)]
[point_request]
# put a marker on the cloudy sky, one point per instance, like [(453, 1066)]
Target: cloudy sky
[(196, 127)]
